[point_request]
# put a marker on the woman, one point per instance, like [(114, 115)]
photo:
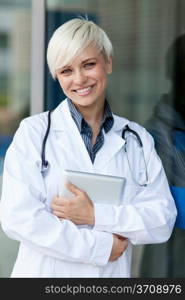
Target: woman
[(75, 237)]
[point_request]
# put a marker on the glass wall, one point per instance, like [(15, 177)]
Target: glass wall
[(141, 31), (142, 88), (15, 48)]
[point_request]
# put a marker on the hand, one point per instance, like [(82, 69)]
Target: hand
[(119, 246), (79, 208)]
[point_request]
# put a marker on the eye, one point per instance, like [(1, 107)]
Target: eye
[(89, 65), (66, 71)]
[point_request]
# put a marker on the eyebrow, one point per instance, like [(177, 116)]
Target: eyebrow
[(89, 59), (84, 61)]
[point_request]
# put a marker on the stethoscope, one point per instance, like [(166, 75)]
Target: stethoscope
[(127, 129)]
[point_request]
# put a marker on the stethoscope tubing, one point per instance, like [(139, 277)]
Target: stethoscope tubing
[(45, 163), (43, 150)]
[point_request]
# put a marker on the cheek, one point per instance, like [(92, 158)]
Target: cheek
[(100, 75), (64, 84)]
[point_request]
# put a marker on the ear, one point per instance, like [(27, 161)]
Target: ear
[(109, 65)]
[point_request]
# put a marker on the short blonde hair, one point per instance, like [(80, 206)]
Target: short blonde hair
[(73, 37)]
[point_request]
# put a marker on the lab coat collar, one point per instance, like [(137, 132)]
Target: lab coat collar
[(113, 141), (62, 120)]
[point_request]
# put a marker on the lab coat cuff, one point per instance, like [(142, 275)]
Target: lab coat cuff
[(104, 216)]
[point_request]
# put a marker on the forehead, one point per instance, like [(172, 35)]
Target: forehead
[(90, 52)]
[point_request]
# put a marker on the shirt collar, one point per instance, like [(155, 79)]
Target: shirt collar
[(76, 115), (106, 123)]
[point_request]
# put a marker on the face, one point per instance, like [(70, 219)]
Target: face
[(84, 79)]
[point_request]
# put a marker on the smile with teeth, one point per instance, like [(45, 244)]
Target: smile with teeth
[(84, 91)]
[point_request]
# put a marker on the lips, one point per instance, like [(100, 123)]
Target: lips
[(84, 91)]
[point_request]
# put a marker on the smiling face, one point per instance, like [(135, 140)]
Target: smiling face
[(84, 79)]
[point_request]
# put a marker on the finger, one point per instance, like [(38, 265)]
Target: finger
[(124, 246), (59, 200), (57, 207), (58, 214), (73, 188), (56, 200), (122, 238)]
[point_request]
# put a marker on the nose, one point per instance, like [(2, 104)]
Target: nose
[(79, 77)]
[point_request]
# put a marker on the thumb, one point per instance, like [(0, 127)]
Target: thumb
[(73, 188)]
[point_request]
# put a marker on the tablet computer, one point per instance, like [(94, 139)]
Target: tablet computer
[(100, 188)]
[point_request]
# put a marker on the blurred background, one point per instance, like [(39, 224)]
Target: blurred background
[(141, 32)]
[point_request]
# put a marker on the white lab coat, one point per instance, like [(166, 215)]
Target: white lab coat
[(53, 248)]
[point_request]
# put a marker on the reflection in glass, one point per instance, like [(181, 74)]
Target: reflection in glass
[(167, 125)]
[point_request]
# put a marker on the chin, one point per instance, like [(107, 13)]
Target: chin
[(84, 102)]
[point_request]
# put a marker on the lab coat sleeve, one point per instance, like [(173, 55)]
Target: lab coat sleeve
[(25, 217), (150, 215)]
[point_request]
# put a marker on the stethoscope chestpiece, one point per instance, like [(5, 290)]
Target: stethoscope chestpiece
[(44, 167)]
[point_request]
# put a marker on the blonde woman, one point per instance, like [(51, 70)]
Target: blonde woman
[(74, 237)]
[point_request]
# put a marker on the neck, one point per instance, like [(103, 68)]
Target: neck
[(93, 114)]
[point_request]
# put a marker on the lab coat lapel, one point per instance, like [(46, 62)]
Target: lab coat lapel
[(113, 143), (69, 139)]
